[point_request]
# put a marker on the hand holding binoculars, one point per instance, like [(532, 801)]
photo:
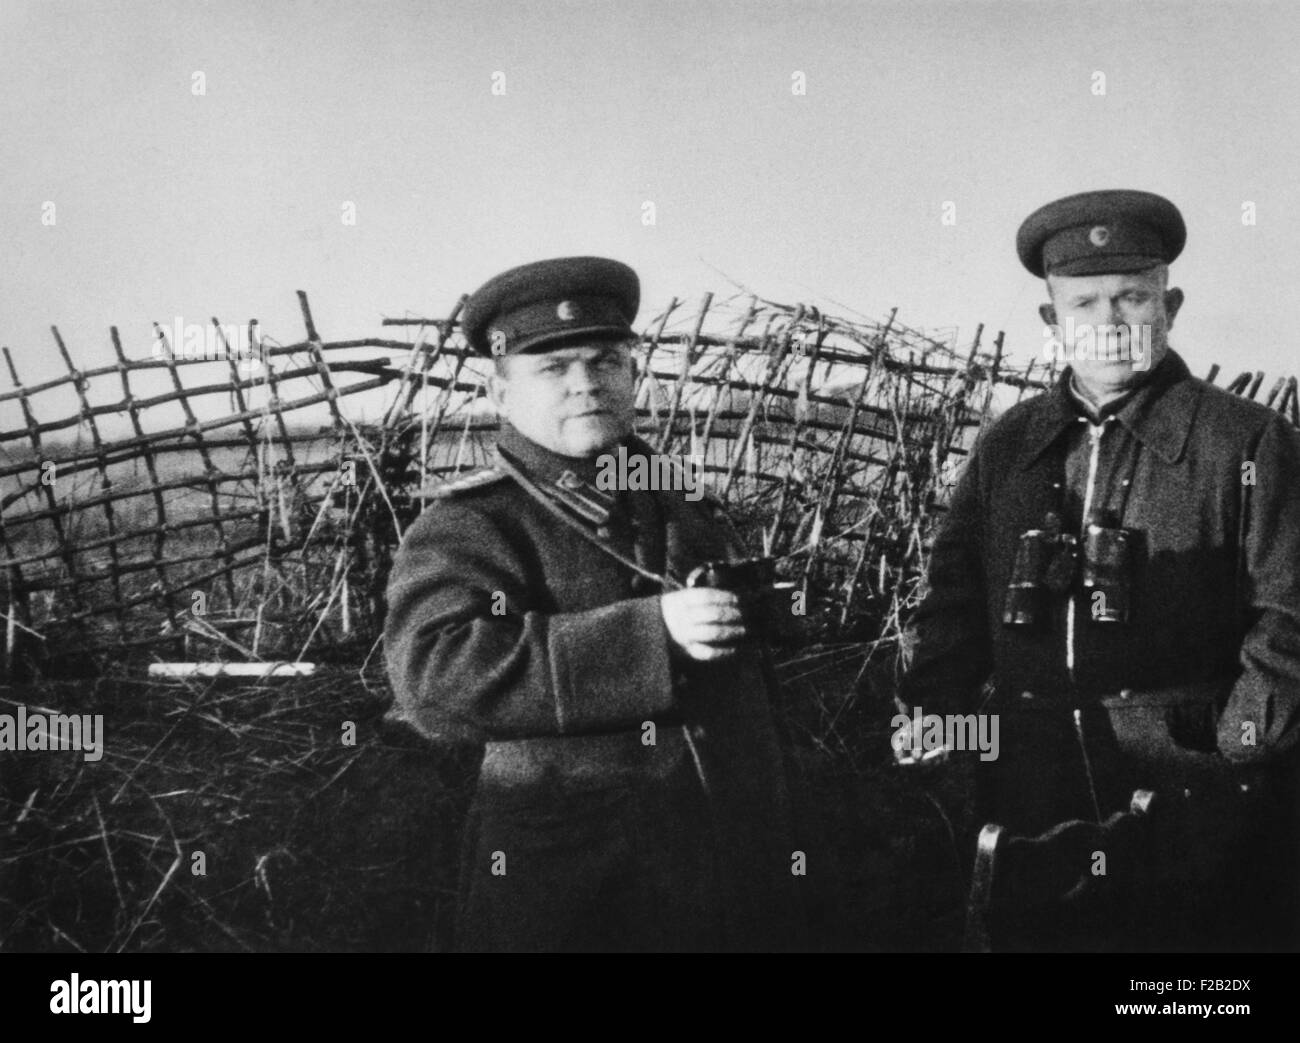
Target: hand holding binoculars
[(765, 602)]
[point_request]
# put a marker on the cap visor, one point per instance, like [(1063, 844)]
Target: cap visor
[(559, 338), (1112, 264)]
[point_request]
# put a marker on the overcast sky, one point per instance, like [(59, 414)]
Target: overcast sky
[(173, 203)]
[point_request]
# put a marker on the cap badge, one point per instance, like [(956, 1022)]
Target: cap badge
[(1099, 236), (567, 310)]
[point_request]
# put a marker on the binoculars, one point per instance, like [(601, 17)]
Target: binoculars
[(765, 602), (750, 575), (1047, 561)]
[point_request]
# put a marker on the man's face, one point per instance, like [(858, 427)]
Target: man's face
[(1130, 312), (578, 400)]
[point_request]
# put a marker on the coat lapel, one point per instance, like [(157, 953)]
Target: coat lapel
[(1160, 414)]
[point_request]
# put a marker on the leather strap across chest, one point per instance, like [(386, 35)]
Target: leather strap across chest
[(549, 503)]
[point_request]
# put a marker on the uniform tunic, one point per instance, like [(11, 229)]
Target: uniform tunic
[(508, 627)]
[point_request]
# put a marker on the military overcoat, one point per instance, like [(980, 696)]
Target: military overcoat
[(1205, 674), (508, 627)]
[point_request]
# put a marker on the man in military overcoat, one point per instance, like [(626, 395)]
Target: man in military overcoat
[(1118, 578), (631, 794)]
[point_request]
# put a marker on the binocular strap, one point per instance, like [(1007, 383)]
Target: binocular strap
[(537, 493)]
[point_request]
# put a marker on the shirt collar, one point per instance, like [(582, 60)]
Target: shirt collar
[(1087, 410), (1159, 413)]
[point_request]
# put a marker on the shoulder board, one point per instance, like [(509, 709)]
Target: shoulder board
[(475, 479)]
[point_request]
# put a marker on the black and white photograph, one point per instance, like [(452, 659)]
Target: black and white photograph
[(740, 476)]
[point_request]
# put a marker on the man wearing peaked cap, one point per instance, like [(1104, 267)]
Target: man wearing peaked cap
[(631, 793), (535, 306), (1096, 233), (1118, 565)]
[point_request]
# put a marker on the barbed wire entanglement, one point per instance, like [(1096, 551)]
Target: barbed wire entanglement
[(249, 511)]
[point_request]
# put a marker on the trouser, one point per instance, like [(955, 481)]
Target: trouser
[(1221, 871), (589, 866)]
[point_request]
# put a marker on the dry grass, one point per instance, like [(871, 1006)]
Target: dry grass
[(314, 845), (309, 844), (833, 441)]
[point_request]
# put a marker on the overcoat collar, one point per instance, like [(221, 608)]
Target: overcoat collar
[(545, 466), (1159, 414)]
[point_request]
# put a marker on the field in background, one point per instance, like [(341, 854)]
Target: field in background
[(147, 503), (221, 525)]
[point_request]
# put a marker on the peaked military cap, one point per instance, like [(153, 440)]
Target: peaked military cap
[(1096, 233), (543, 305)]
